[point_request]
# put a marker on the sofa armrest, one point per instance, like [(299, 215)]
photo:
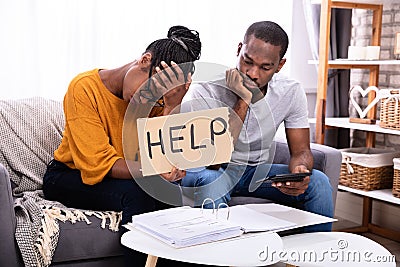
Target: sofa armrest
[(9, 253), (326, 159)]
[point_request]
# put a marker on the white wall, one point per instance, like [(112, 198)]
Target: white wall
[(45, 43)]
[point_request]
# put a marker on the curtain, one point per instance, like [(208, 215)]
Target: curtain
[(45, 43), (337, 100)]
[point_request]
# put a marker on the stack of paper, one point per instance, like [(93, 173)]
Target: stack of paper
[(186, 226)]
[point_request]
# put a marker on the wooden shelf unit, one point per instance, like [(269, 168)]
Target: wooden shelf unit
[(324, 64), (355, 64), (384, 195), (343, 122)]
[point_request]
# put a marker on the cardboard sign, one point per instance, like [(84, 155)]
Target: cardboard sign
[(186, 140)]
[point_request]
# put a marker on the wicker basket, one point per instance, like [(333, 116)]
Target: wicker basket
[(390, 109), (396, 177), (367, 168)]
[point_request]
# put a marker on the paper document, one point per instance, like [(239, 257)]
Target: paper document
[(186, 226), (299, 217), (254, 221)]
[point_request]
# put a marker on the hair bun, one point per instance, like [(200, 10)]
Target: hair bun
[(189, 38), (181, 32), (177, 31)]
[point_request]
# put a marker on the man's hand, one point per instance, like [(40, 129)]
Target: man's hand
[(174, 175), (239, 85), (234, 81), (294, 188), (243, 86)]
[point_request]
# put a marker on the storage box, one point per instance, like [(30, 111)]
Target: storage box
[(367, 168), (390, 109), (396, 177)]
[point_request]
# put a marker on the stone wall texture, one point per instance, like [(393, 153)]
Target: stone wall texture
[(389, 76)]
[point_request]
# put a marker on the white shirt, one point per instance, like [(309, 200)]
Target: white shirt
[(285, 101)]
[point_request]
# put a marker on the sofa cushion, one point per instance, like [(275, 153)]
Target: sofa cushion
[(30, 130), (82, 241), (8, 246)]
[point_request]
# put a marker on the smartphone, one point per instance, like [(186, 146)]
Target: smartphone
[(288, 177)]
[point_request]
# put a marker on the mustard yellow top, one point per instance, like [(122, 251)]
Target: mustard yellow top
[(92, 138)]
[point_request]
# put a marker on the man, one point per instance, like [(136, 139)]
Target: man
[(260, 100)]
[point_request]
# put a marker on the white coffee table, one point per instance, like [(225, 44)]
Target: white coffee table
[(334, 249), (239, 251)]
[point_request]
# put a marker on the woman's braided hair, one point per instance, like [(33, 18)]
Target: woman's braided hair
[(181, 46)]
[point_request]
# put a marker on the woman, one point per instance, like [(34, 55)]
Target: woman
[(88, 170)]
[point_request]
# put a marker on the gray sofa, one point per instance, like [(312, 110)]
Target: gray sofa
[(82, 244)]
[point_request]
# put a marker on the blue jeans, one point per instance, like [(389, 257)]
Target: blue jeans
[(237, 180)]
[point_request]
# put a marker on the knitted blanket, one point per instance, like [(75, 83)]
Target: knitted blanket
[(30, 131)]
